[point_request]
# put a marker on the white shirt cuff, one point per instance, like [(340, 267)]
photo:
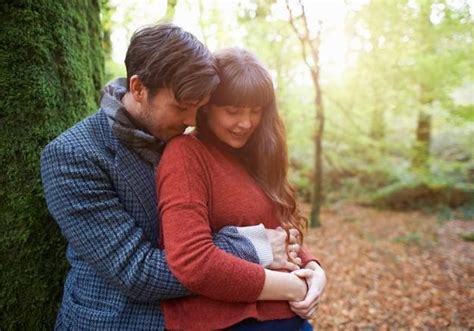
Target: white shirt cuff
[(258, 237)]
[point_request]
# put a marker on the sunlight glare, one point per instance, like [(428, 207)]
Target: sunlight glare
[(195, 17)]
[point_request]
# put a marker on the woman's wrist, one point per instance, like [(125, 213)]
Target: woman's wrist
[(283, 286)]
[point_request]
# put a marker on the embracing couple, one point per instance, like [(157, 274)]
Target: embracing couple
[(182, 232)]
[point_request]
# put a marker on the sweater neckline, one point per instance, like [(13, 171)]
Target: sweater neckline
[(209, 138)]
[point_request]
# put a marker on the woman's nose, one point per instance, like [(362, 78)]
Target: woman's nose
[(245, 123)]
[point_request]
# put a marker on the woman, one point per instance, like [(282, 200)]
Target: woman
[(231, 171)]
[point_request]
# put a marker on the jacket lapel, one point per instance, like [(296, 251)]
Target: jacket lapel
[(139, 174)]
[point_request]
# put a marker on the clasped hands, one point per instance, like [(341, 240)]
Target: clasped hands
[(311, 273)]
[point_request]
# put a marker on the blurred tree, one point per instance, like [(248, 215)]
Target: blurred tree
[(410, 57), (170, 10), (371, 108), (439, 38), (270, 39), (310, 43), (417, 50), (202, 22), (106, 12), (267, 33)]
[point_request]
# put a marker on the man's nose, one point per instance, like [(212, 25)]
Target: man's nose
[(190, 119)]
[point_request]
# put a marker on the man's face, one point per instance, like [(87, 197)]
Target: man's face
[(165, 118)]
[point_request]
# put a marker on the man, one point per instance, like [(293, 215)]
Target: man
[(98, 179)]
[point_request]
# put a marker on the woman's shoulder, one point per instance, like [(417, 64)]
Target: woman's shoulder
[(188, 144), (185, 152)]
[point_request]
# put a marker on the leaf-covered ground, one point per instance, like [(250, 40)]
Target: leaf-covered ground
[(389, 270)]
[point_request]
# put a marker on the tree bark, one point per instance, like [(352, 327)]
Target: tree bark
[(377, 128), (317, 198)]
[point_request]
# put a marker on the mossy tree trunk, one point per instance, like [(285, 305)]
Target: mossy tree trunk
[(51, 69)]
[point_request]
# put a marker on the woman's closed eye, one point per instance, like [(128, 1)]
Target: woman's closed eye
[(231, 110)]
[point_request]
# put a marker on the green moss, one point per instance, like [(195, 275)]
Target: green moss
[(51, 70)]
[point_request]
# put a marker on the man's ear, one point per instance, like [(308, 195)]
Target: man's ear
[(137, 89)]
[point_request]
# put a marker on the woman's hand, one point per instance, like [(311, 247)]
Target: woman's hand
[(315, 278)]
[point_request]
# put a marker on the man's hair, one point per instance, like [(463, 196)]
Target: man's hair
[(166, 56)]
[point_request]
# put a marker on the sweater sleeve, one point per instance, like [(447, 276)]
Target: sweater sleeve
[(183, 189), (306, 257)]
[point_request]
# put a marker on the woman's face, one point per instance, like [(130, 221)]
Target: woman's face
[(233, 125)]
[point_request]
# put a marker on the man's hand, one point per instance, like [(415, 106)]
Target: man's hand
[(277, 239), (316, 280)]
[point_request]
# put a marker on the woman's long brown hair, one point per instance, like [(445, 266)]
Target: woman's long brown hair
[(244, 82)]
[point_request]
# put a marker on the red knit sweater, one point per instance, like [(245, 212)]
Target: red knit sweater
[(201, 188)]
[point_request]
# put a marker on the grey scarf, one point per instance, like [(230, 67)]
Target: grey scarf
[(144, 144)]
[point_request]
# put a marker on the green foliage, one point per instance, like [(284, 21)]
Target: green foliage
[(404, 58), (50, 74), (468, 236), (418, 192), (114, 70), (106, 13), (467, 212), (464, 213), (410, 58)]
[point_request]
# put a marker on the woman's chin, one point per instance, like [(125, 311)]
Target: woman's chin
[(237, 144)]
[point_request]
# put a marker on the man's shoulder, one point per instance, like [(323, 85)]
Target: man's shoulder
[(89, 133)]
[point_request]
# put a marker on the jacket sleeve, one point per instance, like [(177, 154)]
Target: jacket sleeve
[(249, 243), (183, 188), (257, 236), (81, 198)]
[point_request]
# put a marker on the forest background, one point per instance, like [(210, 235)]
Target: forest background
[(377, 98)]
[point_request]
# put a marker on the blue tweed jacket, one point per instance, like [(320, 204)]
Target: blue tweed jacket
[(102, 195)]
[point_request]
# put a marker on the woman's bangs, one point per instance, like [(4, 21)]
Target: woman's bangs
[(243, 93)]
